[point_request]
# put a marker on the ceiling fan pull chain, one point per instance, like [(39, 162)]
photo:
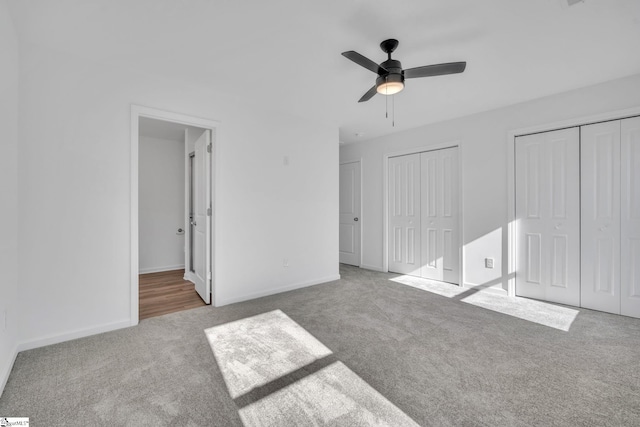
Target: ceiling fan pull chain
[(393, 111), (386, 103)]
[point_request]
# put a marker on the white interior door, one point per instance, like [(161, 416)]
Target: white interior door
[(350, 213), (548, 216), (630, 215), (600, 170), (439, 199), (202, 217), (404, 214)]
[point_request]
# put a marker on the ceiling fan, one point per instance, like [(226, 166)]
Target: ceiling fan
[(391, 76)]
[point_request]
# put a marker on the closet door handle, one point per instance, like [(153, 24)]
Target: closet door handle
[(355, 219)]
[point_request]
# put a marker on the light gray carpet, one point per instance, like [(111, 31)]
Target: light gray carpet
[(439, 360), (257, 350), (332, 396)]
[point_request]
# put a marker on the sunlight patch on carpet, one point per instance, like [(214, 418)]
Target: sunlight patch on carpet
[(540, 312), (257, 350), (551, 315), (333, 396), (440, 288)]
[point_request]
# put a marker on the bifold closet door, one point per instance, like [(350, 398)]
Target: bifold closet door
[(404, 214), (548, 216), (630, 217), (600, 197), (439, 199)]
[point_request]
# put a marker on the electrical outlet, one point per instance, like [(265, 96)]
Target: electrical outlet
[(488, 262), (285, 262)]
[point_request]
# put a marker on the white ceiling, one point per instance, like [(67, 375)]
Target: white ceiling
[(285, 54)]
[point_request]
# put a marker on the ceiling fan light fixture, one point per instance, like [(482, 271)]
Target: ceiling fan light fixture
[(390, 84), (390, 88)]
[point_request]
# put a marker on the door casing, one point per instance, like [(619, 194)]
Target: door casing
[(138, 111)]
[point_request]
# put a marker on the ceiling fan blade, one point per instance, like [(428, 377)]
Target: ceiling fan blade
[(435, 70), (367, 96), (365, 62)]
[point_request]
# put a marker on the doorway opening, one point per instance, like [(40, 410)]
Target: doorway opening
[(172, 212)]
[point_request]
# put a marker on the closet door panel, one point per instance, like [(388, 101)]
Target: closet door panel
[(548, 216), (431, 262), (440, 215), (529, 175), (450, 215), (630, 217), (600, 230), (404, 215)]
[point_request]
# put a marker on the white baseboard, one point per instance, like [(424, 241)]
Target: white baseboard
[(220, 302), (68, 336), (371, 267), (6, 370), (160, 269)]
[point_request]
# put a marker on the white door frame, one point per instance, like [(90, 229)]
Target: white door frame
[(511, 175), (361, 204), (385, 199), (138, 111)]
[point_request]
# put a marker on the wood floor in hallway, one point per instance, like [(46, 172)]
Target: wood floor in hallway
[(166, 292)]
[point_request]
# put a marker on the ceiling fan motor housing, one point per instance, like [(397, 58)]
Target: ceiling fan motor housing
[(395, 74), (393, 65)]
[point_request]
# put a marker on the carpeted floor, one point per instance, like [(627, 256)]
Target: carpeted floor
[(257, 351), (440, 360)]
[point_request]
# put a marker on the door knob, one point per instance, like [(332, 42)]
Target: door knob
[(355, 219), (558, 226)]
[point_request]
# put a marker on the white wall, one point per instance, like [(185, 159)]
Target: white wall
[(8, 193), (74, 251), (161, 208), (483, 139)]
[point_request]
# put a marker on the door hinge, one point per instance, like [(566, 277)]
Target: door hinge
[(208, 211), (209, 276), (209, 148)]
